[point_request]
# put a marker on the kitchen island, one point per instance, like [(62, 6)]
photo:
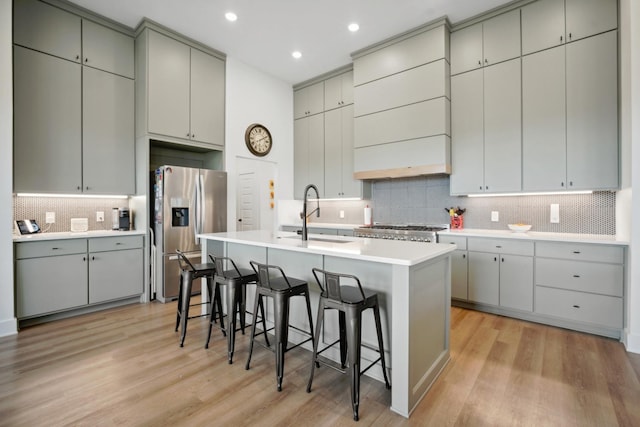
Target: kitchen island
[(413, 281)]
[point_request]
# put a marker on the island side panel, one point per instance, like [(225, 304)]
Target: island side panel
[(374, 277), (420, 346)]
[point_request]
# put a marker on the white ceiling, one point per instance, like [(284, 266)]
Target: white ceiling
[(267, 31)]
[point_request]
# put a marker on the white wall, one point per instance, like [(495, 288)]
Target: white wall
[(255, 97), (8, 323), (630, 155)]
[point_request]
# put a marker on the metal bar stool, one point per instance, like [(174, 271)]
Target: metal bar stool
[(281, 289), (350, 301), (189, 273), (236, 280)]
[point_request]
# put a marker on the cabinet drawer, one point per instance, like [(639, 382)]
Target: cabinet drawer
[(460, 242), (50, 248), (114, 243), (581, 252), (606, 279), (502, 246), (579, 306)]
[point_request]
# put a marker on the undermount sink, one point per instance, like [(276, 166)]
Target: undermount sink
[(318, 239)]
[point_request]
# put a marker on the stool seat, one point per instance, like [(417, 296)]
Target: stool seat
[(281, 288), (235, 279), (350, 302), (188, 273)]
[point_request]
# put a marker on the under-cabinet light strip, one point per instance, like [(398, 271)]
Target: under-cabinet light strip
[(550, 193), (76, 196)]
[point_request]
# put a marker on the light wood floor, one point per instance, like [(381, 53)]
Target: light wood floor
[(124, 367)]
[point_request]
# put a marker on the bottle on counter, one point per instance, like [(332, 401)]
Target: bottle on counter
[(367, 215)]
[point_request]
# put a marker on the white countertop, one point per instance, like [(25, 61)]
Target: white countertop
[(537, 235), (375, 250), (70, 235), (324, 225)]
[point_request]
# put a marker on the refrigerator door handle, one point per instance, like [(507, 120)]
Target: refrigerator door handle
[(203, 205), (197, 204)]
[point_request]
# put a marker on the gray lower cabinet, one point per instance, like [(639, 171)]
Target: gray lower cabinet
[(459, 267), (50, 283), (501, 273), (60, 275)]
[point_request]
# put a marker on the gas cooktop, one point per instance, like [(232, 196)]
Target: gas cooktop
[(410, 232)]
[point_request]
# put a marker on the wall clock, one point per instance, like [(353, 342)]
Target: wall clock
[(258, 139)]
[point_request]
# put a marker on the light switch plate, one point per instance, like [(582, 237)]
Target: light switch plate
[(50, 218), (554, 216), (495, 216), (99, 216)]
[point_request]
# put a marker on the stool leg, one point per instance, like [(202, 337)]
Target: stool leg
[(314, 354), (258, 301), (179, 308), (212, 318), (313, 337), (353, 344), (232, 302), (343, 338), (281, 317), (185, 301), (264, 323), (216, 306), (376, 314), (218, 298), (242, 304)]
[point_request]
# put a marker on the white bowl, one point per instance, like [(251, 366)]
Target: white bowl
[(521, 228)]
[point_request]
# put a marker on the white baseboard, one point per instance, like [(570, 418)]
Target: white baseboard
[(8, 327), (631, 342)]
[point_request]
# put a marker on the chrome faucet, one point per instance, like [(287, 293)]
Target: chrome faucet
[(304, 214)]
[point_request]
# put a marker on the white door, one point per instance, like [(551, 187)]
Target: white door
[(247, 209)]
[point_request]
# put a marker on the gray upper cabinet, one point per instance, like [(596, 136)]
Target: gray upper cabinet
[(107, 50), (168, 82), (308, 148), (486, 43), (486, 124), (338, 167), (549, 23), (47, 29), (308, 100), (107, 133), (338, 91), (185, 91), (578, 145), (47, 123)]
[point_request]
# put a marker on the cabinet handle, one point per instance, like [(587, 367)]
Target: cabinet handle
[(481, 187), (464, 256), (502, 259), (54, 249), (78, 188), (495, 259), (118, 243), (561, 39), (479, 62), (569, 36), (498, 246), (570, 183), (576, 306), (87, 187), (84, 258), (486, 61), (188, 135), (93, 258), (486, 188), (576, 252), (562, 184), (577, 276), (86, 60)]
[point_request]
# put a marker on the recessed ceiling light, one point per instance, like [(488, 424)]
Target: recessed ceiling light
[(231, 16), (296, 54), (353, 27)]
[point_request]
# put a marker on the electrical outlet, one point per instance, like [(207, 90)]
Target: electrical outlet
[(341, 214), (50, 218), (554, 216), (99, 216), (495, 216)]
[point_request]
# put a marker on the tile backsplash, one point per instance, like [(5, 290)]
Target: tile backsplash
[(422, 200), (66, 208)]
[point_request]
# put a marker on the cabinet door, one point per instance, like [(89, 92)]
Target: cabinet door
[(114, 275), (168, 85), (107, 49), (484, 278), (207, 98), (542, 25), (516, 282), (50, 284), (338, 91), (350, 187), (459, 275), (588, 17), (108, 148), (502, 127), (309, 100), (467, 130), (45, 28), (592, 113), (501, 36), (544, 155), (466, 49), (333, 150), (47, 123), (308, 166)]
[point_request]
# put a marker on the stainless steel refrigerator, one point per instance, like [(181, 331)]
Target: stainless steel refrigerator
[(188, 201)]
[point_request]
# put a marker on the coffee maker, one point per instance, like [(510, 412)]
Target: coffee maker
[(121, 219)]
